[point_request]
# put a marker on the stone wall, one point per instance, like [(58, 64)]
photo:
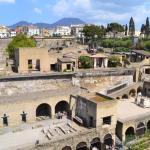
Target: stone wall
[(73, 141), (28, 86), (3, 54), (97, 84), (94, 84)]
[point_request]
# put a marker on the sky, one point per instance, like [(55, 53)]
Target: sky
[(90, 11)]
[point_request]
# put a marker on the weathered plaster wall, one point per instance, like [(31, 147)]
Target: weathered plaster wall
[(100, 83)]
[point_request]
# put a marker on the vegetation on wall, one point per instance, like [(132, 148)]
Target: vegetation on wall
[(141, 143), (19, 41)]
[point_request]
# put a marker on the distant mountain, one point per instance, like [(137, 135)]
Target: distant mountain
[(61, 22), (68, 22), (21, 23), (43, 25)]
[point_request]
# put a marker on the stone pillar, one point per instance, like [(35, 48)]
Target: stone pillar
[(123, 134), (105, 62), (95, 62), (53, 112), (34, 64), (99, 122), (77, 64), (102, 146)]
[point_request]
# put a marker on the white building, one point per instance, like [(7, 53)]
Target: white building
[(76, 30), (51, 32), (4, 32), (115, 35), (62, 31), (33, 30), (137, 33), (12, 33)]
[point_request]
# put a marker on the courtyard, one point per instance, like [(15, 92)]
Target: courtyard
[(37, 133)]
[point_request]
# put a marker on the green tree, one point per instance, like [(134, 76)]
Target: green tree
[(147, 29), (131, 27), (19, 41), (115, 28), (85, 62), (92, 32), (114, 61)]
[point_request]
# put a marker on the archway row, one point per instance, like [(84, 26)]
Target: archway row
[(45, 110), (140, 130), (96, 144)]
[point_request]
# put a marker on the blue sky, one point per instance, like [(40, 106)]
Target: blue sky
[(91, 11)]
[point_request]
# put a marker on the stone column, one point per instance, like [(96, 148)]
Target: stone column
[(53, 112), (105, 62), (34, 64), (95, 62), (102, 146)]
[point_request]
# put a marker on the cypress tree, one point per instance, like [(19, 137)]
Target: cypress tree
[(147, 29), (131, 27), (143, 29), (126, 29)]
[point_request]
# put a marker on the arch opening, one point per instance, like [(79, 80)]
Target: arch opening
[(125, 96), (129, 134), (82, 146), (140, 129), (95, 144), (139, 90), (43, 110), (117, 98), (132, 93), (108, 141), (62, 107), (67, 148), (148, 125)]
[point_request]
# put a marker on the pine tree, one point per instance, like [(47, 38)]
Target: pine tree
[(126, 29), (131, 27), (147, 29)]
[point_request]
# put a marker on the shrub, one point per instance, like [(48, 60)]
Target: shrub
[(114, 61), (86, 62)]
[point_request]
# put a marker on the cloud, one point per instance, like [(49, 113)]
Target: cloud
[(93, 10), (102, 11), (7, 1), (37, 10)]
